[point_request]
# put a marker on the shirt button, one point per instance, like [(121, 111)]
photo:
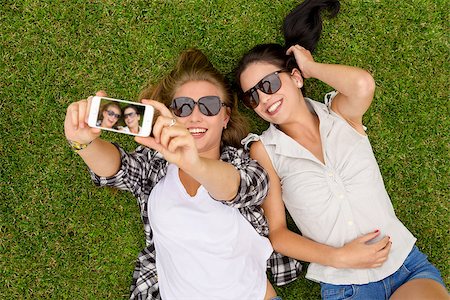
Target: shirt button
[(330, 174), (341, 196), (350, 223)]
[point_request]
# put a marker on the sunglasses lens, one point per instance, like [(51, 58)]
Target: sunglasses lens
[(112, 114), (251, 98), (209, 105), (182, 106), (129, 115), (268, 85)]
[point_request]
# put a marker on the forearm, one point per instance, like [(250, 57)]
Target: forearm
[(102, 157), (219, 178), (301, 248), (350, 81)]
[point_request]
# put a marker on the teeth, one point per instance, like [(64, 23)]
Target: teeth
[(274, 106), (197, 130)]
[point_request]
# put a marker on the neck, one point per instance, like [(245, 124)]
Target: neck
[(302, 122)]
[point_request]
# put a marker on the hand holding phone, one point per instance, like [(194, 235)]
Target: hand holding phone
[(171, 138), (75, 123), (120, 116)]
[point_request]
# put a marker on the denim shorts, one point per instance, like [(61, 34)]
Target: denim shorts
[(415, 266)]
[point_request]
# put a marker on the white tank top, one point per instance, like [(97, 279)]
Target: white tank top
[(204, 249)]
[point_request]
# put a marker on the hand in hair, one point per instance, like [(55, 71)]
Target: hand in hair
[(303, 58)]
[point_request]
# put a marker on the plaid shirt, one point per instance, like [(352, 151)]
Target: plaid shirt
[(142, 169)]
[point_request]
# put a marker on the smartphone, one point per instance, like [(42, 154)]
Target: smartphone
[(121, 116)]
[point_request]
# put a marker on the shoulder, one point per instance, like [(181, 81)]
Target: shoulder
[(257, 149), (230, 154), (259, 153)]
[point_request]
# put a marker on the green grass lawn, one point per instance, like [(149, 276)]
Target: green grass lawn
[(63, 238)]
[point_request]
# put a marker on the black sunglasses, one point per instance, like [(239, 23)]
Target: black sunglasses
[(270, 84), (131, 114), (208, 105), (112, 114)]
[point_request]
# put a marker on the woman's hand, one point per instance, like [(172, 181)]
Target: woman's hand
[(360, 254), (76, 123), (303, 58), (171, 139)]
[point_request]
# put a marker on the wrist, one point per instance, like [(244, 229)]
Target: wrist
[(337, 258), (196, 166), (78, 146)]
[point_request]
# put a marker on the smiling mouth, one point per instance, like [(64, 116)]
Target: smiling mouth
[(274, 106), (196, 131)]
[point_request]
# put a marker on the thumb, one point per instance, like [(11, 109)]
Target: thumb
[(101, 93), (96, 131)]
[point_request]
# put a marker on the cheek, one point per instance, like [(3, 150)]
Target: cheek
[(260, 111)]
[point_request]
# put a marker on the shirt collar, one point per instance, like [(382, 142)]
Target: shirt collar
[(284, 143)]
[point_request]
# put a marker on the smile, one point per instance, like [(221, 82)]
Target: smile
[(197, 130), (274, 106)]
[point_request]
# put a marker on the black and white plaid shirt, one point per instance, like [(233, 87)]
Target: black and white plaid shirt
[(142, 169)]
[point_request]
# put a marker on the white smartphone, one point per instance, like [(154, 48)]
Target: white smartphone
[(121, 116)]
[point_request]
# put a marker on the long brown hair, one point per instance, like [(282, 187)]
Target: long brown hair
[(193, 65)]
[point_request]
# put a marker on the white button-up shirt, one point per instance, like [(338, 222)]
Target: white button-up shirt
[(336, 202)]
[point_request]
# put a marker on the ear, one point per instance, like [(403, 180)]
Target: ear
[(296, 75), (226, 117)]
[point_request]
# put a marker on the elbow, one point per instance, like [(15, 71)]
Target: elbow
[(276, 240), (276, 246), (365, 85)]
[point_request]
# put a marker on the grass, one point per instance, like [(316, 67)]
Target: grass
[(63, 238)]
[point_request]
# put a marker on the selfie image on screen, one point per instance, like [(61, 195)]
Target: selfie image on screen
[(120, 116)]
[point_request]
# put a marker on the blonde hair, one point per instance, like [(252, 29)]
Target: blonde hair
[(193, 65)]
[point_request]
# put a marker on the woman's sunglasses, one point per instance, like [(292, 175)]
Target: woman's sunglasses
[(268, 85), (129, 115), (208, 105), (112, 114)]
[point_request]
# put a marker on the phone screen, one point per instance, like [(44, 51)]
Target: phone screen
[(121, 116)]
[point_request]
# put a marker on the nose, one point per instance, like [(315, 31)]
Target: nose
[(263, 97), (196, 114)]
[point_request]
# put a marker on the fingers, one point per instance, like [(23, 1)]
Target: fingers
[(168, 137), (290, 50), (382, 255), (72, 114), (82, 116), (381, 244), (165, 119), (295, 48), (161, 123), (174, 142), (88, 109), (164, 111), (369, 236), (101, 93), (170, 134), (77, 114)]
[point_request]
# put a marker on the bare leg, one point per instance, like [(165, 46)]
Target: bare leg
[(422, 289), (270, 292)]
